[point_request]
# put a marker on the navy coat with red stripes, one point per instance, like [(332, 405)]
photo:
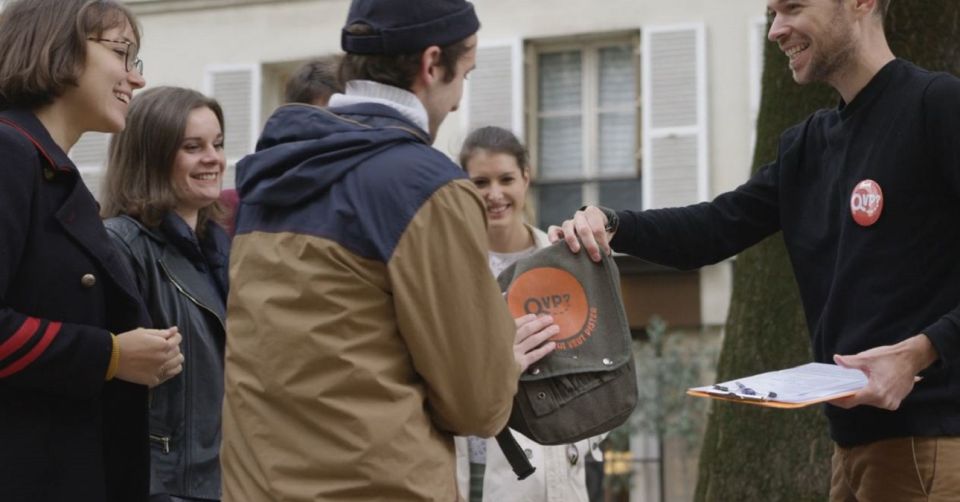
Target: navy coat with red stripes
[(65, 433)]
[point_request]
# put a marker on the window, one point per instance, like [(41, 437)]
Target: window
[(583, 124)]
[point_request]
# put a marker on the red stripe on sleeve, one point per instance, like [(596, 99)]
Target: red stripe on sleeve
[(51, 332), (20, 338)]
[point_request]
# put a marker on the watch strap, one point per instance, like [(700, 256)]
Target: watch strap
[(613, 220)]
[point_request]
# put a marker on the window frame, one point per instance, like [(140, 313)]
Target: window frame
[(589, 47)]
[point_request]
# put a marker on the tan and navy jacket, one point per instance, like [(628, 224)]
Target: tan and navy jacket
[(364, 329)]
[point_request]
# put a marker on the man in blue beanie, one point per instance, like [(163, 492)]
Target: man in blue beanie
[(364, 327)]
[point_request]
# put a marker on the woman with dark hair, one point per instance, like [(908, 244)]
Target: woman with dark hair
[(498, 165), (74, 365), (163, 180)]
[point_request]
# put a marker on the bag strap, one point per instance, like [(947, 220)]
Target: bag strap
[(515, 455)]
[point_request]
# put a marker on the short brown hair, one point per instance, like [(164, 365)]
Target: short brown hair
[(138, 181), (397, 70), (43, 45), (316, 79)]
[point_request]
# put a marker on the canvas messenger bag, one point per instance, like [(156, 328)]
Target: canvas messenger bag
[(588, 384)]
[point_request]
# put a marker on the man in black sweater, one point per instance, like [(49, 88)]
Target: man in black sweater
[(866, 195)]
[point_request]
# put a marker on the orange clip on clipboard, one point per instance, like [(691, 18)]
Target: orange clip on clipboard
[(790, 388)]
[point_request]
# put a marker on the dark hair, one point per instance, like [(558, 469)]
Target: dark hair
[(494, 140), (43, 45), (316, 80), (397, 70), (138, 181)]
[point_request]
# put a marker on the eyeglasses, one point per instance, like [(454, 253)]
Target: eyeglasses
[(130, 59)]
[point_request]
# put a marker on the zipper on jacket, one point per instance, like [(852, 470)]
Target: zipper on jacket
[(187, 460), (200, 304), (163, 440)]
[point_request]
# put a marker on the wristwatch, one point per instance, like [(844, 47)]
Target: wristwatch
[(613, 221)]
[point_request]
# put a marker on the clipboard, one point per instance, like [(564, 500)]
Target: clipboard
[(767, 402), (789, 388)]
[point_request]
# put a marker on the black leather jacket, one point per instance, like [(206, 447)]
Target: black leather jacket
[(183, 284)]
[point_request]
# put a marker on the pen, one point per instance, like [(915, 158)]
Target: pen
[(744, 392)]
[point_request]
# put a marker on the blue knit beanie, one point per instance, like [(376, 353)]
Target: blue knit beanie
[(408, 26)]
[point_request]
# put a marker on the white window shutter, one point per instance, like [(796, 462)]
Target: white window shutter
[(757, 41), (90, 156), (237, 89), (93, 178), (674, 116), (494, 95)]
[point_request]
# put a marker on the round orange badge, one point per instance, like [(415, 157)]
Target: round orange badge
[(549, 290), (866, 203)]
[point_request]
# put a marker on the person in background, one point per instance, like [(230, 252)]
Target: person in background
[(315, 81), (313, 84), (497, 164), (160, 197), (866, 195), (363, 334), (74, 363)]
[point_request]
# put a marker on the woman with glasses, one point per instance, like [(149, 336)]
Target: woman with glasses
[(74, 361), (163, 180), (497, 163)]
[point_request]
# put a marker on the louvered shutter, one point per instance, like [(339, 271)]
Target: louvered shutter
[(495, 88), (93, 178), (90, 156), (758, 42), (237, 89), (674, 116)]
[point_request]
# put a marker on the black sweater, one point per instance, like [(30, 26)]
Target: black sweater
[(861, 287)]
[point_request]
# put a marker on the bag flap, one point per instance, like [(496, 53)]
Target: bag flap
[(584, 299)]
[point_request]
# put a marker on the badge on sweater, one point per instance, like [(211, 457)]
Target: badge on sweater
[(866, 203)]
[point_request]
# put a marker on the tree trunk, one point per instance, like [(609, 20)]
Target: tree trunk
[(752, 453)]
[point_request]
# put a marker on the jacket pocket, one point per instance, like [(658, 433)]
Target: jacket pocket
[(163, 442)]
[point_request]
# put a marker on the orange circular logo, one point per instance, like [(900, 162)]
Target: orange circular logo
[(548, 290)]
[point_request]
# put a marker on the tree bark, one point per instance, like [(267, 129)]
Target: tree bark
[(752, 453)]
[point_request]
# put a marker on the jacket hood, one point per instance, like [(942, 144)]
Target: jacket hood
[(305, 149)]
